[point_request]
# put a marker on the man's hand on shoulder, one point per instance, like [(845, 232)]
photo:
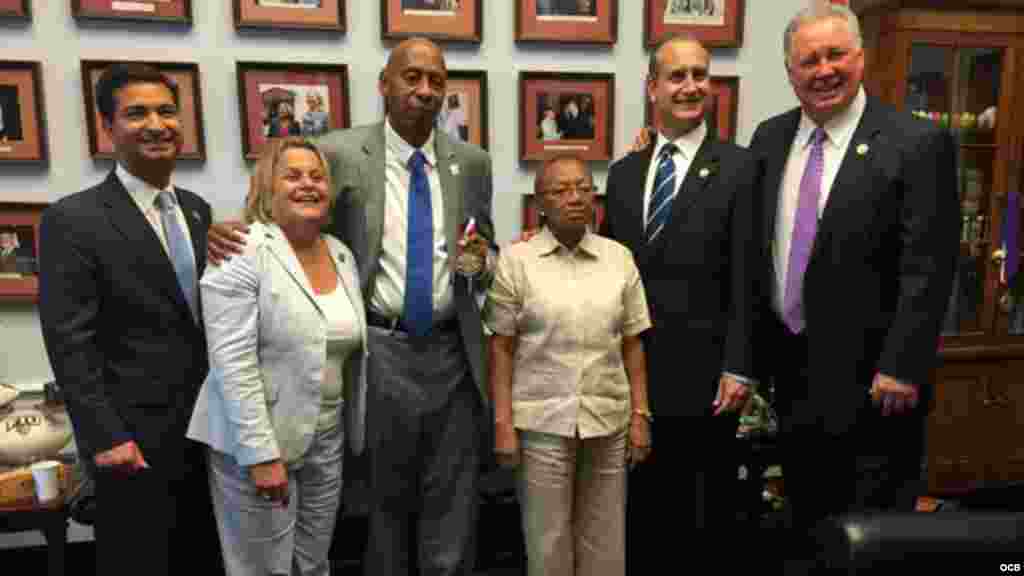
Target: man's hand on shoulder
[(223, 240), (643, 139), (525, 235)]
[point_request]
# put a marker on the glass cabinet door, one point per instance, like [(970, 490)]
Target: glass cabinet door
[(959, 88), (1010, 319)]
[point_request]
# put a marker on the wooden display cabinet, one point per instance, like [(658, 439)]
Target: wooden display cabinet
[(961, 63)]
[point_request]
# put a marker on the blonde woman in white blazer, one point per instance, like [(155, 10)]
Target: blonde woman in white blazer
[(286, 329)]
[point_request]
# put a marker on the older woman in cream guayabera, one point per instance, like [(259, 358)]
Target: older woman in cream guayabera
[(568, 379), (286, 329)]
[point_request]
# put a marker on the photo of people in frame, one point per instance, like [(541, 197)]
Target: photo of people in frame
[(10, 114), (566, 7), (294, 110), (430, 5), (565, 116), (17, 252), (454, 116), (290, 3), (698, 12)]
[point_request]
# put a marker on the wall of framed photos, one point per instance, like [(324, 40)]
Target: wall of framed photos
[(60, 42)]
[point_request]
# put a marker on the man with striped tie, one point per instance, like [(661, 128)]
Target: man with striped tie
[(122, 322), (684, 206)]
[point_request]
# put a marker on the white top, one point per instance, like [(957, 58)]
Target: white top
[(389, 291), (838, 133), (343, 338), (144, 195), (688, 144)]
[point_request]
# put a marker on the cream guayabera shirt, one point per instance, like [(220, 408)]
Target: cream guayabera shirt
[(569, 310)]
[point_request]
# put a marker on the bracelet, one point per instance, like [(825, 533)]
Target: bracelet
[(645, 413)]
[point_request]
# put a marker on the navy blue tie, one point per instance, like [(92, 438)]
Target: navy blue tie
[(661, 197), (419, 259)]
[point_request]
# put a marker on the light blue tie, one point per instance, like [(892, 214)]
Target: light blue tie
[(661, 198), (180, 249), (419, 260)]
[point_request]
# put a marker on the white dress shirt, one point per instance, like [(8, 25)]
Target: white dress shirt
[(688, 144), (389, 292), (839, 131), (144, 195)]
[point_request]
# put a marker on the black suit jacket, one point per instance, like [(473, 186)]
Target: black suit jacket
[(121, 339), (698, 274), (881, 268)]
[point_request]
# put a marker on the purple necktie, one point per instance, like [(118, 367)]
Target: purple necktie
[(804, 227)]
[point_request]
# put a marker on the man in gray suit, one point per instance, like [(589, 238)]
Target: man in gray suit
[(408, 199)]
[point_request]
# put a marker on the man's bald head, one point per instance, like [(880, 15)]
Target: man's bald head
[(413, 85)]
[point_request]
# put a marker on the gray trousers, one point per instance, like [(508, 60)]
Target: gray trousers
[(261, 538), (424, 418)]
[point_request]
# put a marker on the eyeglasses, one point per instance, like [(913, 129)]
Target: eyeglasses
[(564, 191)]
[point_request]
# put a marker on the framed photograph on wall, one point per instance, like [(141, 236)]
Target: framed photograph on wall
[(567, 21), (281, 99), (533, 221), (19, 251), (177, 11), (720, 111), (190, 108), (716, 23), (16, 9), (566, 112), (291, 14), (22, 117), (464, 110), (455, 20)]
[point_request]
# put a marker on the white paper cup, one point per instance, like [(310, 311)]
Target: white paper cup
[(44, 476)]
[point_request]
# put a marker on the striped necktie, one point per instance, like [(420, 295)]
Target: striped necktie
[(664, 191)]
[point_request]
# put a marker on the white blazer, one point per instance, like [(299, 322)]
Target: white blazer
[(267, 339)]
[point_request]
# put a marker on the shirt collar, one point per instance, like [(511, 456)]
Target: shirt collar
[(141, 191), (688, 143), (403, 150), (548, 244), (839, 128)]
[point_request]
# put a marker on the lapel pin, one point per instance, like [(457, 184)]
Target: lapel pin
[(862, 149), (195, 216), (454, 169), (704, 172)]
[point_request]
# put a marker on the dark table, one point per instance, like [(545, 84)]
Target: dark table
[(51, 520)]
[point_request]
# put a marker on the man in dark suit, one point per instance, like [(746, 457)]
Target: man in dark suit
[(427, 377), (118, 302), (861, 229), (684, 206)]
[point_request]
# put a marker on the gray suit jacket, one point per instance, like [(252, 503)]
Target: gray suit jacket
[(356, 157)]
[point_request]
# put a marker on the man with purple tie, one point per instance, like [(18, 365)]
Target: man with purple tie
[(860, 222)]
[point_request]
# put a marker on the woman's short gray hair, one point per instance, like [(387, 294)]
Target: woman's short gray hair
[(817, 11)]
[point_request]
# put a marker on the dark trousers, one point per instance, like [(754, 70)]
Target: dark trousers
[(158, 520), (874, 466), (424, 419), (684, 494)]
